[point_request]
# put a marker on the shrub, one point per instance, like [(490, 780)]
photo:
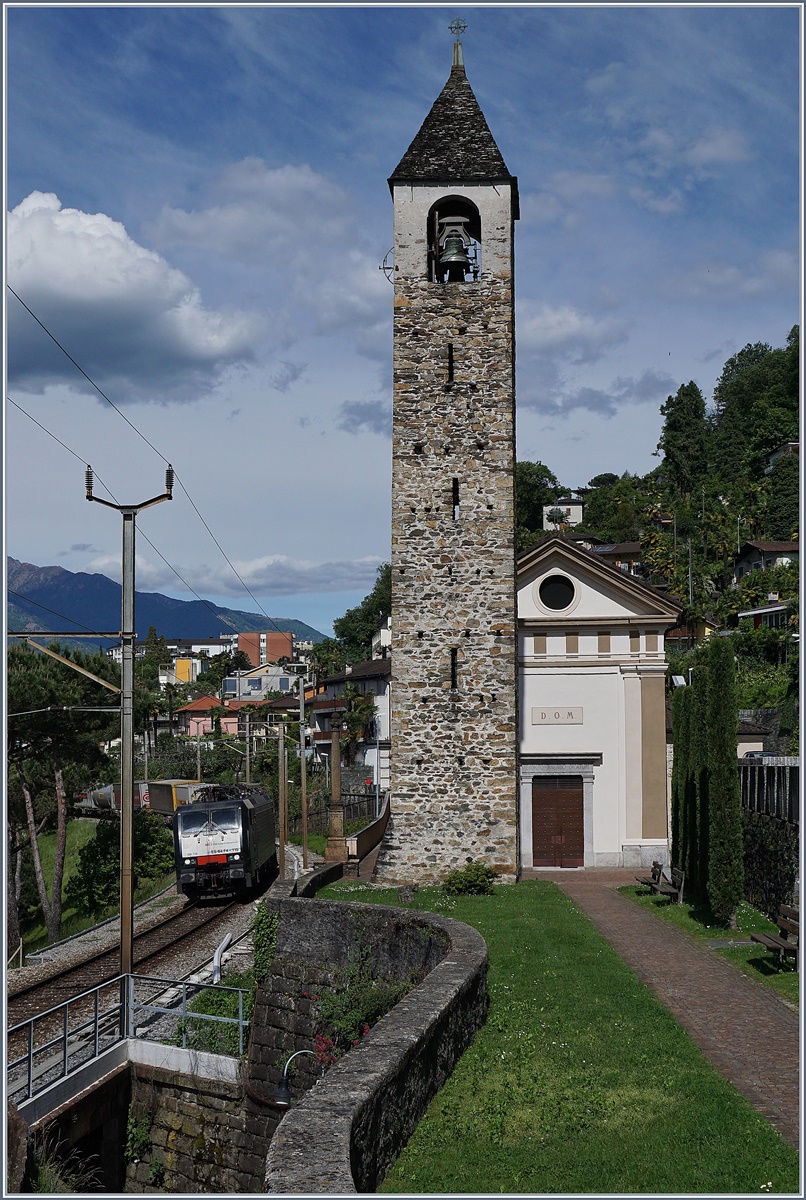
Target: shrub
[(218, 1037), (94, 885), (725, 865), (476, 879), (354, 1002)]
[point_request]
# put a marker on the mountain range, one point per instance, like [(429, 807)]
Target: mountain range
[(57, 600)]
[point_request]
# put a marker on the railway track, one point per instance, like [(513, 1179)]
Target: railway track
[(153, 949)]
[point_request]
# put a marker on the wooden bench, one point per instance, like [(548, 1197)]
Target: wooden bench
[(787, 941), (656, 876), (671, 887)]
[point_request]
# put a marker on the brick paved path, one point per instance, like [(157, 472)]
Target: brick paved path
[(742, 1027)]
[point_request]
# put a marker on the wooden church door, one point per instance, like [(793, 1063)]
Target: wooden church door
[(558, 827)]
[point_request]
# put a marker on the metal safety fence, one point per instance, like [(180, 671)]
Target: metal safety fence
[(55, 1043)]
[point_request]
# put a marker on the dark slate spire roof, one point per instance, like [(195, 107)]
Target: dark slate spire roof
[(454, 141)]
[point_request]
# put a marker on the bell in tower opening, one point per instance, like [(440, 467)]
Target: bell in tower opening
[(454, 242)]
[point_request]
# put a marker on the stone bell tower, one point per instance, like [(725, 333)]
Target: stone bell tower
[(454, 662)]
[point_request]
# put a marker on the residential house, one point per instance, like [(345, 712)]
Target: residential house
[(787, 450), (371, 678), (572, 512), (624, 556), (198, 717), (759, 556), (266, 646), (259, 683)]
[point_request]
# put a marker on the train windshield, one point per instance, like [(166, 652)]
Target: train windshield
[(216, 820)]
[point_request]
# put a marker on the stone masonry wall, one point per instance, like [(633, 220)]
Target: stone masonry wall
[(344, 1133), (208, 1138), (454, 662)]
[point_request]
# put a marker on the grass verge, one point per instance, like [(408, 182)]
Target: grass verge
[(580, 1081), (696, 918)]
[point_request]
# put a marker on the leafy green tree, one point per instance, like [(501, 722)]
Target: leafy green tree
[(684, 440), (606, 479), (679, 772), (753, 590), (755, 409), (356, 628), (783, 507), (328, 657), (358, 717), (53, 737), (535, 487), (725, 854), (95, 885)]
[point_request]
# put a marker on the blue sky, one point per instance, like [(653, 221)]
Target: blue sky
[(198, 207)]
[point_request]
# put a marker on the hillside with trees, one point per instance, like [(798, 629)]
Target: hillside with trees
[(713, 490)]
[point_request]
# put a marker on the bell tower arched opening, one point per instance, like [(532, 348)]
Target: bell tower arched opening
[(454, 241)]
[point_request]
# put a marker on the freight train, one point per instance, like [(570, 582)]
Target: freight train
[(224, 841)]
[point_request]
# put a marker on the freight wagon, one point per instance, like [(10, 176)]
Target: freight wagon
[(165, 795)]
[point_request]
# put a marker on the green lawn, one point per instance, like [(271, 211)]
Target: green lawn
[(696, 918), (580, 1081)]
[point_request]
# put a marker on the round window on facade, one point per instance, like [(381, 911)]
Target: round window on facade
[(557, 592)]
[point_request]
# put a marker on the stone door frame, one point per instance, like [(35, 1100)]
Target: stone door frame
[(532, 765)]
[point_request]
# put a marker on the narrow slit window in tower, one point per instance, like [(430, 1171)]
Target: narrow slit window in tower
[(454, 667), (455, 499), (450, 362)]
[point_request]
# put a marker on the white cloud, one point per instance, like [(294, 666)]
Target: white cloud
[(559, 399), (372, 415), (775, 270), (131, 320), (269, 575), (302, 230), (567, 332), (717, 147)]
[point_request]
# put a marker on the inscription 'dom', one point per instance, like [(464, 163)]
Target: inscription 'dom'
[(556, 716)]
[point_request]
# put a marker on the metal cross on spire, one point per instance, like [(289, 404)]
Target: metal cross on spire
[(458, 26)]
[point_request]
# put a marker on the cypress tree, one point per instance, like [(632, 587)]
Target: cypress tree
[(725, 866), (700, 785), (679, 768)]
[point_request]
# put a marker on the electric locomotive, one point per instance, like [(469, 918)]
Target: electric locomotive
[(224, 840)]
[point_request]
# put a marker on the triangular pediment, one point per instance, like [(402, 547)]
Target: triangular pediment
[(600, 592)]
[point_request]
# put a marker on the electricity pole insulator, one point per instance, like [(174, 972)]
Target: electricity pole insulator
[(169, 480), (88, 480)]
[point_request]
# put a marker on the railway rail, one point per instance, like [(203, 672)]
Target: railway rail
[(151, 948)]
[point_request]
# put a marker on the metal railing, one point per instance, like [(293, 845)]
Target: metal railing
[(772, 786), (55, 1043)]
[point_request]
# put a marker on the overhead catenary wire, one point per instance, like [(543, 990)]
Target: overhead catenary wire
[(160, 455), (219, 616)]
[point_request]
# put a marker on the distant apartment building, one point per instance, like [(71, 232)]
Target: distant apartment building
[(266, 646)]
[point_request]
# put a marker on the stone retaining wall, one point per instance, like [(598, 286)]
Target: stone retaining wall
[(347, 1130)]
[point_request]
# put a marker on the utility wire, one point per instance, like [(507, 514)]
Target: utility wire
[(219, 616), (159, 454)]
